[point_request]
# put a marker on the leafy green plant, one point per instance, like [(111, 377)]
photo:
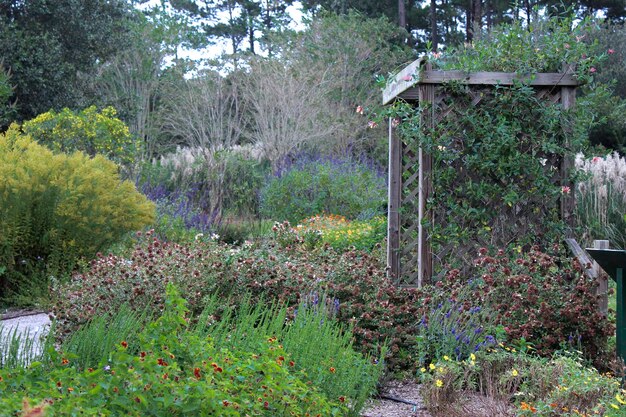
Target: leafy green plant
[(312, 186), (522, 385), (314, 342), (91, 131), (173, 372), (57, 208)]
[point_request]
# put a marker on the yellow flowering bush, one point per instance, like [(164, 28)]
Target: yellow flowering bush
[(341, 233), (89, 131), (56, 208)]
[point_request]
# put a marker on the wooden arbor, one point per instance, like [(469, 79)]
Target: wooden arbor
[(409, 254)]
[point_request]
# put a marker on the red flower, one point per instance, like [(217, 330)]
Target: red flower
[(196, 373), (342, 399), (124, 344), (225, 403), (292, 363), (266, 404)]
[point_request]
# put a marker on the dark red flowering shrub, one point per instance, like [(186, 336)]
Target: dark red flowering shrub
[(355, 283), (543, 298)]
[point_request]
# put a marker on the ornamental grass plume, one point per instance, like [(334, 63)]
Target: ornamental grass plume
[(601, 198)]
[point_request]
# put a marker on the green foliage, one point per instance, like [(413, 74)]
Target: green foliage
[(174, 371), (315, 343), (47, 44), (57, 208), (243, 178), (88, 131), (545, 46), (7, 109), (522, 385), (347, 188), (497, 153)]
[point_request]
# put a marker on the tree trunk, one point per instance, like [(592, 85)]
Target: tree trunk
[(434, 38), (401, 14), (477, 18)]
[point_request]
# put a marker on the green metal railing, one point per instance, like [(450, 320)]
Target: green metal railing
[(613, 261)]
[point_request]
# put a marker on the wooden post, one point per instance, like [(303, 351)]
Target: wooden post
[(425, 257), (568, 200), (603, 282), (393, 204)]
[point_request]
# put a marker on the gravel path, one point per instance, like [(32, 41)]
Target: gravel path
[(30, 325), (407, 391)]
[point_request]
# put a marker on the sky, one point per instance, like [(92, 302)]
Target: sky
[(222, 46)]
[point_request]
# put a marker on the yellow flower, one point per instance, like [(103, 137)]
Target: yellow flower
[(619, 399), (446, 358), (615, 406), (439, 383), (432, 367), (514, 372), (472, 357), (423, 369)]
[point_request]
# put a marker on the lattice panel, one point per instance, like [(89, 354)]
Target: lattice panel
[(506, 226)]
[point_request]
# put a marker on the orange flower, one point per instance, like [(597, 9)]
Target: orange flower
[(64, 361), (332, 370)]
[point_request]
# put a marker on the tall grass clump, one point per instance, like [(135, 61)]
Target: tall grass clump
[(18, 349), (93, 342), (601, 198), (310, 186)]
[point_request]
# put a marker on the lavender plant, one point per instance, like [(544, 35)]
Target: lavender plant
[(454, 328)]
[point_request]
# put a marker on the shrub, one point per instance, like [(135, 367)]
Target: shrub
[(89, 131), (173, 372), (542, 298), (378, 310), (56, 208), (308, 187)]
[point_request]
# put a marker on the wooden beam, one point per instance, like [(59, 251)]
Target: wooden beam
[(498, 78), (404, 80), (583, 259), (568, 200), (393, 204), (603, 280)]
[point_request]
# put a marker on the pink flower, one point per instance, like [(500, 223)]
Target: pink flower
[(595, 159), (372, 124), (592, 70), (565, 189), (359, 109), (407, 78), (611, 51), (566, 46), (395, 122)]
